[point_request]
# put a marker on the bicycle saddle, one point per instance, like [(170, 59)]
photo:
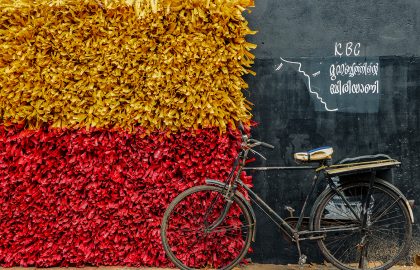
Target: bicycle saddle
[(316, 154)]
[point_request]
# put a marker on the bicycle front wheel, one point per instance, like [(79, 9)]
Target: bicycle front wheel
[(189, 239), (354, 240)]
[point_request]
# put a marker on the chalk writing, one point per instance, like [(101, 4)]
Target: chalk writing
[(354, 69), (318, 97), (345, 82), (347, 49), (367, 83), (354, 88)]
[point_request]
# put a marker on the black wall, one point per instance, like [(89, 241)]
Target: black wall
[(289, 116)]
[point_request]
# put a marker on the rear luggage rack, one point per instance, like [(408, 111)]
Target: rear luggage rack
[(358, 167)]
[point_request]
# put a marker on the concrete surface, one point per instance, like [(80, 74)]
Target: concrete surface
[(247, 267)]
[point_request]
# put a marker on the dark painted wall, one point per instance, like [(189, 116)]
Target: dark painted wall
[(286, 110), (296, 28)]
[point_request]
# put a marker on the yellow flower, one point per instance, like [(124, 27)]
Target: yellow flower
[(165, 65)]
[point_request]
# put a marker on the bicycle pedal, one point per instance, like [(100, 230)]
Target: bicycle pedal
[(302, 259), (290, 209)]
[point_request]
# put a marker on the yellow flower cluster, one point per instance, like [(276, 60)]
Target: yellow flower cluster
[(162, 64)]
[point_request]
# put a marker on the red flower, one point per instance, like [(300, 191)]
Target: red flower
[(77, 197)]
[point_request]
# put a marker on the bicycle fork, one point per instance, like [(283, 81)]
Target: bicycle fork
[(230, 193)]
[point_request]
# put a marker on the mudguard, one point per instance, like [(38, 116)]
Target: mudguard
[(241, 197), (377, 180)]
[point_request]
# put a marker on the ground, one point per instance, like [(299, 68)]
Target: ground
[(248, 267)]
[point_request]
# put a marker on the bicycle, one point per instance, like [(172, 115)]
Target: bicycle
[(353, 221)]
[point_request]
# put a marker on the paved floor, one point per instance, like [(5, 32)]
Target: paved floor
[(248, 267)]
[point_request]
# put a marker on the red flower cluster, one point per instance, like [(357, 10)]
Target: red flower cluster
[(77, 197)]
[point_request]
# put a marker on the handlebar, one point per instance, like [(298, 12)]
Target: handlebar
[(259, 143), (267, 145), (251, 142)]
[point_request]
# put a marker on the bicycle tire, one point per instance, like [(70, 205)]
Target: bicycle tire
[(227, 245), (385, 239)]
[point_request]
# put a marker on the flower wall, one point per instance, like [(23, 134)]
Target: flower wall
[(108, 110)]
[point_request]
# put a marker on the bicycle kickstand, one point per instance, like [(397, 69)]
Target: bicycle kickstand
[(302, 257)]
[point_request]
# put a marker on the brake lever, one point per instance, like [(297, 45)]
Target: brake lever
[(255, 152)]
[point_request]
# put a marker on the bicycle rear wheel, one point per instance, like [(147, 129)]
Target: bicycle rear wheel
[(378, 245), (186, 236)]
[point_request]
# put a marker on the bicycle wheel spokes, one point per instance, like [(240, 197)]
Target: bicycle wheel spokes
[(378, 243), (192, 243)]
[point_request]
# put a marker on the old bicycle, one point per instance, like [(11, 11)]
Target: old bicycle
[(213, 225)]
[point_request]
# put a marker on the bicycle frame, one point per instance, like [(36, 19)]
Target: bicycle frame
[(295, 234), (358, 200), (276, 218)]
